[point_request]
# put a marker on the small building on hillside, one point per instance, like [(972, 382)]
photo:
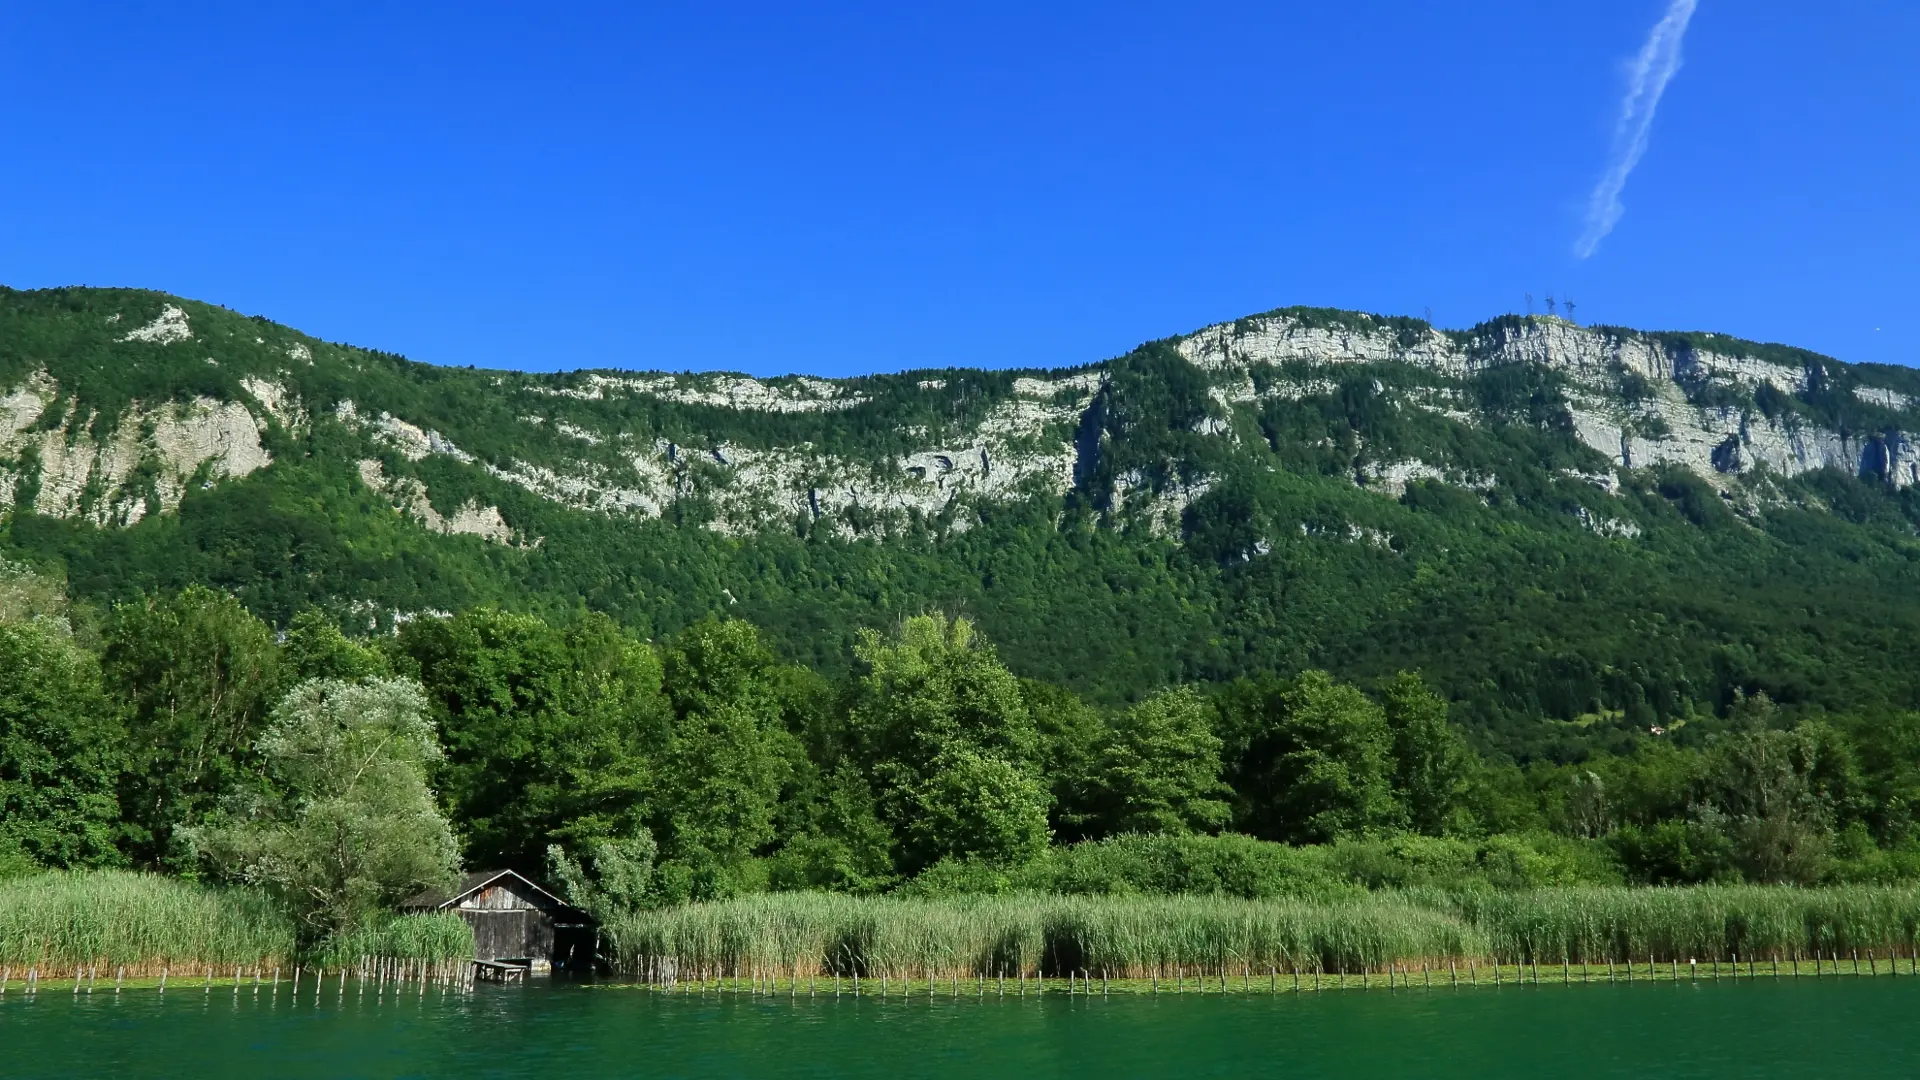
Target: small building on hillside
[(515, 920)]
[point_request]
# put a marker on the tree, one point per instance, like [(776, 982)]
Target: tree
[(721, 772), (945, 731), (611, 876), (1159, 768), (1314, 761), (314, 648), (196, 671), (1433, 766), (28, 597), (550, 733), (835, 839), (978, 805), (353, 826), (60, 750), (1774, 795), (1070, 734)]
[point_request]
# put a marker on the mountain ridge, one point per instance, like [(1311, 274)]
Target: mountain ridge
[(1301, 487)]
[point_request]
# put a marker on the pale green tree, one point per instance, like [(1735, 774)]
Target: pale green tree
[(353, 827), (610, 876)]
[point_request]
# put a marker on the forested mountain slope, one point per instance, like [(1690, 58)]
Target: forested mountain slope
[(1577, 533)]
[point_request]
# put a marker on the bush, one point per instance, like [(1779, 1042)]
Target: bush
[(1227, 865), (1234, 865)]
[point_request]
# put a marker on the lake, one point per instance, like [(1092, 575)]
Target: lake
[(1758, 1028)]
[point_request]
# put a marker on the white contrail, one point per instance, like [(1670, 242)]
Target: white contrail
[(1646, 80)]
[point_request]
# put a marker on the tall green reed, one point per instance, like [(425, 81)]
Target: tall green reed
[(137, 920), (988, 937), (1595, 925), (794, 934)]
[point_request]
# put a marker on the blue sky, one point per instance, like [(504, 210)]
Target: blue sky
[(845, 188)]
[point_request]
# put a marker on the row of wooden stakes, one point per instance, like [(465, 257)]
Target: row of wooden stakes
[(386, 974)]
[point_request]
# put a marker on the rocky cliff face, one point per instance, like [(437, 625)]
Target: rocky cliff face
[(1638, 399), (737, 454)]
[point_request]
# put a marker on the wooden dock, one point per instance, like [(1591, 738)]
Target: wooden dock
[(500, 971)]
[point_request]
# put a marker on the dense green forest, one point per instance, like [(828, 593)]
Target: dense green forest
[(179, 732), (1219, 656), (1557, 616)]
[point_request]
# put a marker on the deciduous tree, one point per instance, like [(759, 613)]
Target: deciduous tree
[(352, 827)]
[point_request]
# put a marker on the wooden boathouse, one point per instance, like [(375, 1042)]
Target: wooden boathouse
[(517, 922)]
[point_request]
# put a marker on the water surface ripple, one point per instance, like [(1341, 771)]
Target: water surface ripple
[(1762, 1028)]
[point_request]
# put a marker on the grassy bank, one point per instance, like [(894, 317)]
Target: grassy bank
[(144, 923), (799, 936)]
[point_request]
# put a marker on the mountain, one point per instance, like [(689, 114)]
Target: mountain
[(1577, 532)]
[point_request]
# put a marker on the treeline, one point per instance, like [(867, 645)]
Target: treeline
[(181, 733)]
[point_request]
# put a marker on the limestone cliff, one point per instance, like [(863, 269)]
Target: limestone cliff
[(736, 454)]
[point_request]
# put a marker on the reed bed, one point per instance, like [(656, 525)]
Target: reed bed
[(806, 935), (1705, 923), (140, 925), (141, 921), (795, 936)]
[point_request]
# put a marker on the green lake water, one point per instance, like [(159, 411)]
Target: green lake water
[(1762, 1028)]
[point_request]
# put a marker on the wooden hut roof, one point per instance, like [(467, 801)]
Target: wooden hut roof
[(441, 899)]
